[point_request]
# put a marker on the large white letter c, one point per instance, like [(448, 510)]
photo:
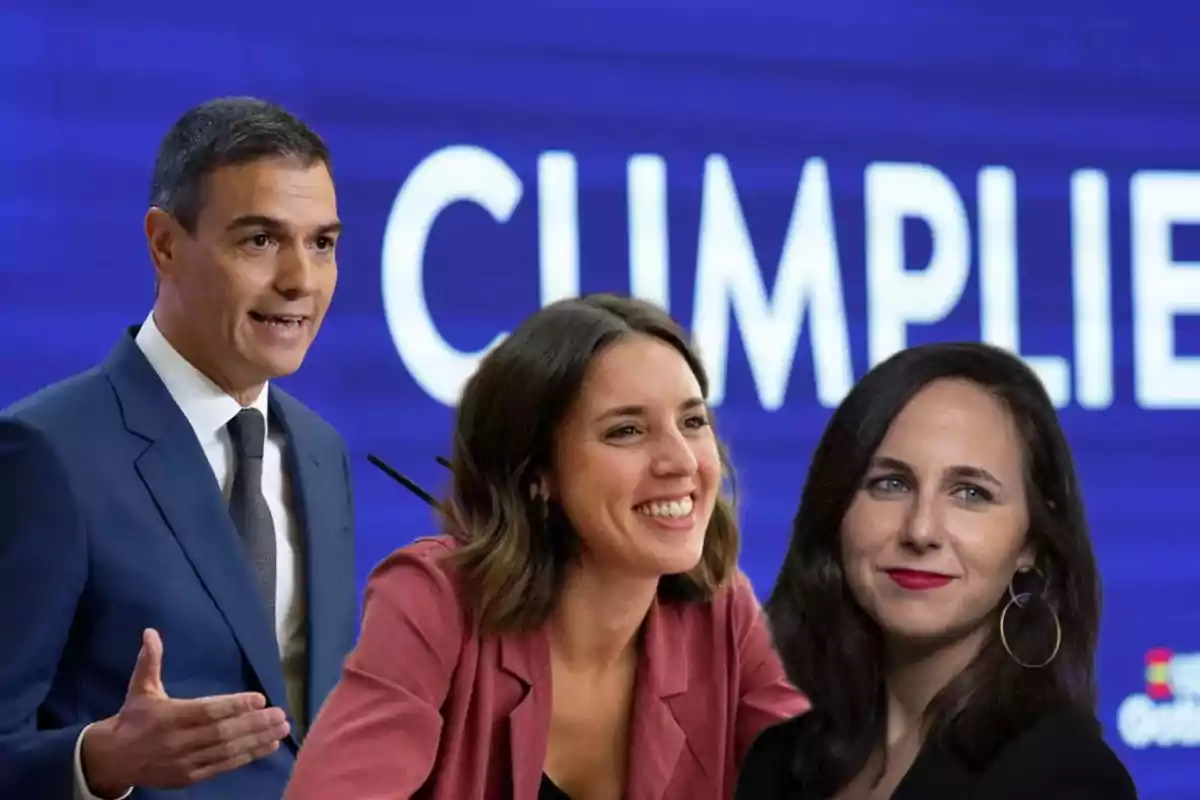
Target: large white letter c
[(448, 176)]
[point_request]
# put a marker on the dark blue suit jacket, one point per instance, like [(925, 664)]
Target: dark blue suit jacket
[(111, 522)]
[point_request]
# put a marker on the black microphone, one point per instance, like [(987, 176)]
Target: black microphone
[(445, 462), (407, 483)]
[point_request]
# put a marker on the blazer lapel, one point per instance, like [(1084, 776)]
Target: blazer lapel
[(526, 657), (176, 473), (657, 738), (319, 524)]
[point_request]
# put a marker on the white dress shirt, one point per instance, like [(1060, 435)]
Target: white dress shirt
[(209, 410)]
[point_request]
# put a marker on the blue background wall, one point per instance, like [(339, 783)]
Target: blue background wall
[(782, 168)]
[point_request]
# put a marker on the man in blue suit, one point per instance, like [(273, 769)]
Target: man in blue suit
[(177, 585)]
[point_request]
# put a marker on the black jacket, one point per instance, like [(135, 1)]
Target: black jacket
[(1060, 757)]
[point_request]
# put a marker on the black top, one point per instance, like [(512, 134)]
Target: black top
[(1061, 757), (548, 791)]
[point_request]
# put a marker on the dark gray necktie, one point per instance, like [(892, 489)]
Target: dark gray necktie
[(247, 505)]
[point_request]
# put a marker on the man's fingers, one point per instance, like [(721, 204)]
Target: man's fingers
[(245, 745), (207, 710), (217, 760), (267, 722)]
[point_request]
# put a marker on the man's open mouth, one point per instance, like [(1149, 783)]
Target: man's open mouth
[(282, 320)]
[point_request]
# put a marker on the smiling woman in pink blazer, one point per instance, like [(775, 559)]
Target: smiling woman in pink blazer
[(583, 631)]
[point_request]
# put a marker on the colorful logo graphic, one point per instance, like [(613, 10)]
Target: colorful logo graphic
[(1158, 674), (1167, 713)]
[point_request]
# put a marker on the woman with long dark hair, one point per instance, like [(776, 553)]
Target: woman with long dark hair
[(939, 601)]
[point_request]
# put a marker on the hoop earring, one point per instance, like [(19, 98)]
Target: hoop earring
[(1020, 600)]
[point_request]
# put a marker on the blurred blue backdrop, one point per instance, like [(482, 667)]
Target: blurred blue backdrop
[(807, 188)]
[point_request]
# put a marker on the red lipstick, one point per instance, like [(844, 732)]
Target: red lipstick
[(917, 580)]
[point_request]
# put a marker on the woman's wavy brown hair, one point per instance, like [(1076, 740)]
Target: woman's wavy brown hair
[(514, 546)]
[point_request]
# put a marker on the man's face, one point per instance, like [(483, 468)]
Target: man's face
[(243, 296)]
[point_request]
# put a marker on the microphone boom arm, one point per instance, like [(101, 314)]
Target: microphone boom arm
[(407, 483)]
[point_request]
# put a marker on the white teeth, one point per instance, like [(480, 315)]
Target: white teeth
[(673, 508), (280, 320)]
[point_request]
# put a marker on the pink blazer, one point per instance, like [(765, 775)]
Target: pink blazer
[(428, 708)]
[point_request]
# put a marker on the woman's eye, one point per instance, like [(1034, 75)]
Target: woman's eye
[(888, 484), (623, 432), (973, 494)]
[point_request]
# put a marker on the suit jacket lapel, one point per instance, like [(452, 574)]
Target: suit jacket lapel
[(526, 657), (658, 736), (176, 473), (316, 491), (662, 713)]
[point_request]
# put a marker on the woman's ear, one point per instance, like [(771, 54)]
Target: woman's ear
[(1026, 558), (540, 489)]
